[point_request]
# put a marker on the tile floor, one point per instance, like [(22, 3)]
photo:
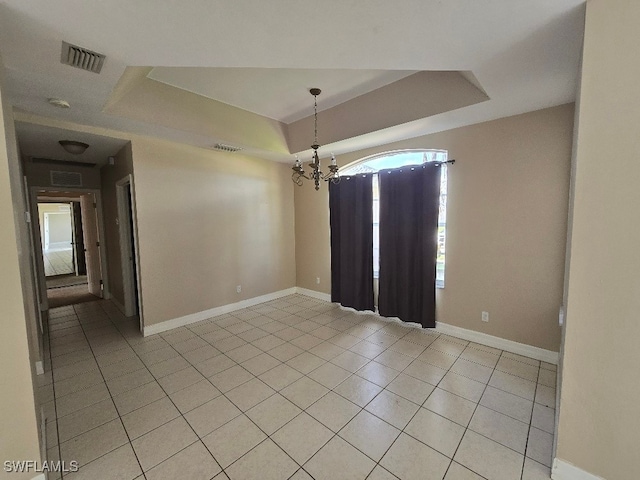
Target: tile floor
[(58, 262), (295, 388)]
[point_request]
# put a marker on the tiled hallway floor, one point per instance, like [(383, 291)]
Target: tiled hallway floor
[(293, 388)]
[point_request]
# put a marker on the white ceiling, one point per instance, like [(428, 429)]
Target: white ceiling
[(278, 93), (524, 53), (42, 142)]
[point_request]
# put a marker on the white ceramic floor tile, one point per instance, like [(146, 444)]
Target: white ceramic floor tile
[(453, 407), (119, 464), (327, 364), (304, 392), (163, 442), (231, 441), (358, 390), (410, 388), (280, 376), (543, 418), (151, 416), (392, 408), (369, 434), (535, 471), (435, 431), (211, 415), (410, 459), (507, 403), (194, 463), (500, 428), (265, 462), (302, 437), (250, 394), (539, 446), (93, 444), (488, 458), (458, 472), (273, 413), (195, 395), (338, 459), (333, 411)]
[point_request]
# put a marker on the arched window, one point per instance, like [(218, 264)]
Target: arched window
[(397, 159)]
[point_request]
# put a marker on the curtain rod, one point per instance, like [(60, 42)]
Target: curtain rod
[(438, 164)]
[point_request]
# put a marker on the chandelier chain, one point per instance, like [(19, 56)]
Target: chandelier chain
[(315, 117)]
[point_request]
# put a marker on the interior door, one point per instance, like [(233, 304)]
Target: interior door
[(78, 239), (91, 245)]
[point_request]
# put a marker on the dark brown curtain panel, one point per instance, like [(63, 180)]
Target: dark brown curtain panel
[(409, 202), (351, 218)]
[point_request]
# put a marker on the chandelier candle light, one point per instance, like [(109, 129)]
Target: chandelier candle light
[(316, 174)]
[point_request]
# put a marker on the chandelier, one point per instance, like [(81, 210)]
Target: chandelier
[(315, 174)]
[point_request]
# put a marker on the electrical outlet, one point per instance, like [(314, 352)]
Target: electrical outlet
[(485, 316), (318, 280), (239, 288)]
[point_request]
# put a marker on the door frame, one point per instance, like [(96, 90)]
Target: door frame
[(127, 217), (34, 191)]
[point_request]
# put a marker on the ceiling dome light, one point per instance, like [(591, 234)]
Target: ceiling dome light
[(58, 102), (73, 147)]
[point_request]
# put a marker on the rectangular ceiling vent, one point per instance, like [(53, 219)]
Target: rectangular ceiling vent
[(226, 148), (66, 179), (81, 58)]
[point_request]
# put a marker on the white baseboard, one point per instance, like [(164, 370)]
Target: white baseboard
[(312, 293), (499, 343), (212, 312), (57, 246), (563, 470), (463, 333), (39, 367)]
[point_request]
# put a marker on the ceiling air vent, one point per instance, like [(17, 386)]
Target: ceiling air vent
[(66, 179), (81, 58), (226, 148)]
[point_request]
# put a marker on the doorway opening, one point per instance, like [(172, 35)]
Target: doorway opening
[(129, 246), (68, 234)]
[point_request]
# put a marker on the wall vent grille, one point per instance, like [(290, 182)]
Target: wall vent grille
[(81, 58), (226, 148), (66, 179)]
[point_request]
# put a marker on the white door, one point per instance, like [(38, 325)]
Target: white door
[(91, 243)]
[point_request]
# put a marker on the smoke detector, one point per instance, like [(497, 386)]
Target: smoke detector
[(58, 102)]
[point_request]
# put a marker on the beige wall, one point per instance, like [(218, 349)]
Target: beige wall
[(506, 225), (208, 221), (599, 429), (59, 224), (110, 174), (19, 438)]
